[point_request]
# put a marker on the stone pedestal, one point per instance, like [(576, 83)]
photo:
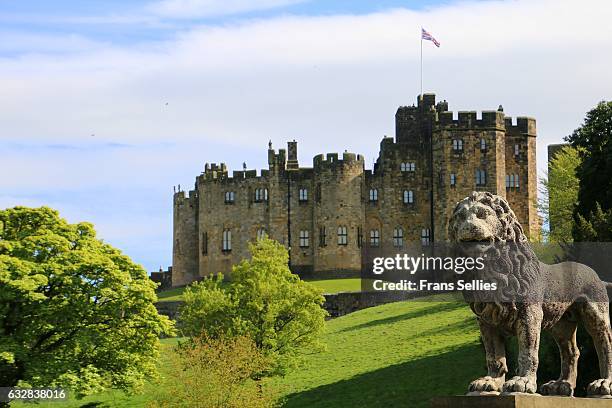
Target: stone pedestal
[(518, 401)]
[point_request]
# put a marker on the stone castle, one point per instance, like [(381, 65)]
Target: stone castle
[(329, 214)]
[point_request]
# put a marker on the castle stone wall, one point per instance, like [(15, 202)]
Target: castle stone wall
[(303, 204)]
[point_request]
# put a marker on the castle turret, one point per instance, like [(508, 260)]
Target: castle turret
[(185, 243), (292, 158)]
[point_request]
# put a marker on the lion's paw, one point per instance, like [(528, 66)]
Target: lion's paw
[(521, 384), (488, 384), (600, 388), (559, 387)]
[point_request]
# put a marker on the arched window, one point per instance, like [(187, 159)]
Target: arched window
[(303, 194), (453, 179), (457, 145), (483, 144), (342, 235), (398, 237), (229, 197), (481, 177), (408, 197), (261, 194), (373, 195)]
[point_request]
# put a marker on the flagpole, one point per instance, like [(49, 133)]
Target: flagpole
[(421, 62)]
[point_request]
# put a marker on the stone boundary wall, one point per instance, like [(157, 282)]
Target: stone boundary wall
[(336, 304)]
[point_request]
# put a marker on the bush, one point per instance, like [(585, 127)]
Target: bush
[(211, 373), (264, 301)]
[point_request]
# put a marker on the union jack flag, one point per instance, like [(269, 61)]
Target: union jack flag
[(426, 36)]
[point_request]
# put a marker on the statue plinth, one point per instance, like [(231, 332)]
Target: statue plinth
[(518, 401)]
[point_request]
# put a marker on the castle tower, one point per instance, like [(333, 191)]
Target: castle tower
[(185, 239), (521, 175), (334, 216), (339, 213)]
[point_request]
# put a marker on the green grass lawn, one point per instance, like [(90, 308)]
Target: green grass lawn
[(399, 354), (327, 285), (114, 398)]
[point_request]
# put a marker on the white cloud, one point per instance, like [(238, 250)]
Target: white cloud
[(212, 8), (332, 83)]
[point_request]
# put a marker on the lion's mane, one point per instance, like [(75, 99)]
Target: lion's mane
[(514, 266)]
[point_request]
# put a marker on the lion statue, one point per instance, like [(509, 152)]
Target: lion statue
[(549, 297)]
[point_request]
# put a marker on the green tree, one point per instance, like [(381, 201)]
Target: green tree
[(594, 141), (596, 227), (216, 373), (74, 312), (560, 192), (265, 301)]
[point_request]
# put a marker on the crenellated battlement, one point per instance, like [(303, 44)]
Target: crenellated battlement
[(469, 120), (238, 176), (523, 126), (333, 160), (328, 213), (180, 197)]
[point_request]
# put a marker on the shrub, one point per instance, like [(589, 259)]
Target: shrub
[(265, 301), (216, 373)]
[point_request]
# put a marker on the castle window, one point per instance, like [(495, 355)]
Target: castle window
[(373, 195), (359, 237), (425, 236), (517, 149), (410, 166), (481, 177), (322, 237), (304, 239), (261, 233), (261, 194), (227, 240), (457, 145), (374, 238), (398, 237), (342, 236), (205, 243), (408, 197), (512, 181), (303, 195), (453, 179), (230, 197), (483, 144)]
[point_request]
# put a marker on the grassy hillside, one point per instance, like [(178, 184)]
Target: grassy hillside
[(399, 354)]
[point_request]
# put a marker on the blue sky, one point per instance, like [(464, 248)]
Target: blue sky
[(106, 105)]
